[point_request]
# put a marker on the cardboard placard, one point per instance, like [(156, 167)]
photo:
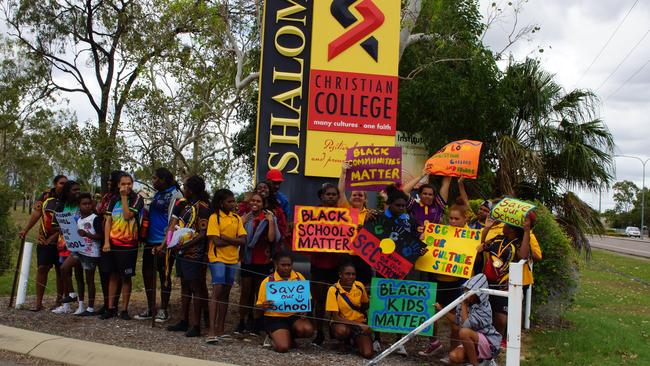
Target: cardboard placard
[(289, 296), (452, 250), (456, 159), (324, 229), (400, 306), (73, 241), (511, 211), (372, 168), (387, 249)]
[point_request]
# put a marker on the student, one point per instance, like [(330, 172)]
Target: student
[(262, 240), (121, 230), (46, 253), (69, 203), (323, 267), (275, 179), (191, 212), (431, 206), (91, 230), (473, 323), (448, 287), (225, 235), (283, 328), (158, 216), (105, 257), (347, 304), (358, 200), (511, 246), (270, 203)]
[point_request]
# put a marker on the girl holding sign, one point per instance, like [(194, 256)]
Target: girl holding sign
[(283, 327), (347, 304), (431, 206)]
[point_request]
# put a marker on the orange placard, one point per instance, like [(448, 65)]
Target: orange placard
[(456, 159), (324, 229)]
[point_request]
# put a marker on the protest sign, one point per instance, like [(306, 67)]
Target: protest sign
[(373, 168), (324, 229), (68, 225), (289, 296), (387, 249), (451, 250), (456, 159), (511, 211), (400, 306)]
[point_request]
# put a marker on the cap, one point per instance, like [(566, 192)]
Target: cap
[(274, 175)]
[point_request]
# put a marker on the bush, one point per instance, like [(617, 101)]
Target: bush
[(556, 275), (7, 229)]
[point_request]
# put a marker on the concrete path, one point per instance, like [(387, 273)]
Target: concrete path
[(77, 352)]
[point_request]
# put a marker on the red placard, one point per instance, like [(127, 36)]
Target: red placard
[(392, 265), (352, 102)]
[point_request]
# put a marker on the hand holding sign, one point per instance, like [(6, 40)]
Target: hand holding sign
[(372, 168), (324, 229), (511, 211), (288, 296), (68, 225), (451, 250), (456, 159)]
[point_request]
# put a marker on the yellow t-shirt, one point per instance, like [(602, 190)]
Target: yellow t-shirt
[(230, 225), (261, 295), (337, 304), (362, 212), (534, 249)]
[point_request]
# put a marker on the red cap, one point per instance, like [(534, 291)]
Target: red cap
[(274, 175)]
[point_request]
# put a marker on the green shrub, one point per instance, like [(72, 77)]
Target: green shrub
[(7, 229)]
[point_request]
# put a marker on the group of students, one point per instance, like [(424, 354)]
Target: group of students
[(250, 240)]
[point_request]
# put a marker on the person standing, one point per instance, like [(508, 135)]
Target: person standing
[(46, 253), (159, 215), (275, 178)]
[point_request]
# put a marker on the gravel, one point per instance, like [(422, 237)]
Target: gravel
[(240, 351)]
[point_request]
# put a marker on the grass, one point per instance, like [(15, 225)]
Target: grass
[(609, 323), (6, 279)]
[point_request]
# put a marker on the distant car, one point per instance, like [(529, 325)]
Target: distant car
[(632, 231)]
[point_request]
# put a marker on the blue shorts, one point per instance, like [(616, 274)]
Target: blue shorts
[(222, 273)]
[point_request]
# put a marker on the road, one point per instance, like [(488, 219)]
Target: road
[(636, 247)]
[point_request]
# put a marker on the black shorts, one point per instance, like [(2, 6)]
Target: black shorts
[(105, 262), (123, 260), (447, 292), (190, 269), (364, 271), (273, 323), (47, 255), (147, 260), (257, 271)]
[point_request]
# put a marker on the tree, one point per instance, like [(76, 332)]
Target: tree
[(625, 194), (99, 49)]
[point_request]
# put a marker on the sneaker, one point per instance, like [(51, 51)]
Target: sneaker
[(178, 327), (489, 362), (80, 310), (241, 329), (109, 313), (193, 332), (87, 313), (445, 361), (318, 341), (71, 297), (101, 311), (145, 315), (434, 348), (401, 350), (62, 309), (376, 346), (267, 342), (124, 315), (162, 316)]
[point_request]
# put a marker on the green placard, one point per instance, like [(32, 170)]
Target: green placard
[(511, 211), (399, 306)]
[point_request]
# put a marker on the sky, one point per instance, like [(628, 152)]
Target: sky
[(573, 33)]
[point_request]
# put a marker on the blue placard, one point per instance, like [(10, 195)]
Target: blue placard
[(289, 296)]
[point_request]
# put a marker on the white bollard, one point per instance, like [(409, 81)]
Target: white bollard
[(529, 300), (25, 266), (515, 297)]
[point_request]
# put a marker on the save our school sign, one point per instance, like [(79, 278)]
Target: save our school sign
[(73, 241), (398, 306), (372, 168), (324, 229), (511, 211), (451, 250), (289, 296)]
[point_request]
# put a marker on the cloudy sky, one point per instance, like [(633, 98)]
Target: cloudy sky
[(573, 33)]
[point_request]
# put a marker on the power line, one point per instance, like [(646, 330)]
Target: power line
[(607, 43), (623, 60), (628, 79)]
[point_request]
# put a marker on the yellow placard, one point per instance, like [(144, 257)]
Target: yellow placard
[(380, 17), (452, 250), (325, 151)]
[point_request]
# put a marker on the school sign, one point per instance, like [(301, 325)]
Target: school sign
[(328, 82)]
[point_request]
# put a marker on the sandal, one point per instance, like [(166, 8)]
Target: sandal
[(225, 337), (212, 340)]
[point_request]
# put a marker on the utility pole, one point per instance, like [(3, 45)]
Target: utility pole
[(643, 163)]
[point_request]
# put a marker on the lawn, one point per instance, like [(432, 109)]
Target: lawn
[(609, 324)]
